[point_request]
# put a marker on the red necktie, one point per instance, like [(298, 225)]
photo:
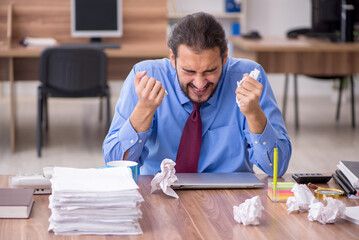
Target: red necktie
[(190, 144)]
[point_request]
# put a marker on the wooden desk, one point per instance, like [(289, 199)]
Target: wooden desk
[(300, 56), (197, 214)]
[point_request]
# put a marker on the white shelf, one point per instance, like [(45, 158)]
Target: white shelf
[(178, 9), (219, 15)]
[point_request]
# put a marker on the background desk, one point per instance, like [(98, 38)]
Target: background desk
[(197, 214), (144, 37), (300, 56)]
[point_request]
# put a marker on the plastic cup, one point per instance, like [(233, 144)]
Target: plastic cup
[(125, 163)]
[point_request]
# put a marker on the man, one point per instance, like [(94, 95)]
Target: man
[(159, 95)]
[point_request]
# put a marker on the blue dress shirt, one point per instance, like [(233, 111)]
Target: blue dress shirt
[(227, 143)]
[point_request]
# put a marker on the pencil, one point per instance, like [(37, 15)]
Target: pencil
[(275, 171)]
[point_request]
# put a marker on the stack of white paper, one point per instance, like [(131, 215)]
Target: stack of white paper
[(94, 201)]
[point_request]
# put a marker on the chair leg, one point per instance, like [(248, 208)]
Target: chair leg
[(296, 103), (46, 113), (353, 100), (108, 104), (285, 95), (341, 83), (39, 120), (100, 110)]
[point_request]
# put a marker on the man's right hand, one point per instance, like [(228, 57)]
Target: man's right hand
[(150, 95)]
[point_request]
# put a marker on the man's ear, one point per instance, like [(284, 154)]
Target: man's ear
[(173, 59)]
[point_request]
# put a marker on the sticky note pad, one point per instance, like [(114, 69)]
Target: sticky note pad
[(283, 191)]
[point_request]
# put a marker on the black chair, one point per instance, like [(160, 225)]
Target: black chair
[(70, 73), (341, 81)]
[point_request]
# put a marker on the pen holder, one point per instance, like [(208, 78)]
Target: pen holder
[(282, 191)]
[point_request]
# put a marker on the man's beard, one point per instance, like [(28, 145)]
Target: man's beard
[(183, 88)]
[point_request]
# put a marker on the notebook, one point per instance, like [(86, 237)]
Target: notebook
[(216, 180), (16, 203), (351, 171)]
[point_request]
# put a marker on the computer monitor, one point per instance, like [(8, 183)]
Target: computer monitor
[(356, 20), (96, 19), (326, 18), (334, 19)]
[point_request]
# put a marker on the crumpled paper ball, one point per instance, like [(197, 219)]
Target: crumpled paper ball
[(330, 213), (249, 212), (253, 74), (303, 197), (164, 179)]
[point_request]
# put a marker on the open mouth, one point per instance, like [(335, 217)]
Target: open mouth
[(200, 91)]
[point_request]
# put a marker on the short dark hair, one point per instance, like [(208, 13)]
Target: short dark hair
[(199, 31)]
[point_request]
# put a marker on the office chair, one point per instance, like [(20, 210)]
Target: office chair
[(70, 73), (341, 81)]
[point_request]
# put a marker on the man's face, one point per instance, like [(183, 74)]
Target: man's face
[(198, 72)]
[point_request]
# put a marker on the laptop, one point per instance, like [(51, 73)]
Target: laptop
[(216, 180)]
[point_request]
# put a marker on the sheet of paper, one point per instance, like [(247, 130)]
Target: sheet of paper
[(98, 180), (249, 212), (303, 197), (352, 214), (164, 179), (253, 74), (330, 213)]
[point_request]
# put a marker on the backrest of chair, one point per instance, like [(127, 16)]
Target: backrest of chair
[(73, 70)]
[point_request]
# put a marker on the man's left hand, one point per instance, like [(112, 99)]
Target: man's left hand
[(249, 93)]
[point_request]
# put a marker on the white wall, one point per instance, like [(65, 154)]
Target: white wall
[(269, 17), (276, 17), (191, 6)]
